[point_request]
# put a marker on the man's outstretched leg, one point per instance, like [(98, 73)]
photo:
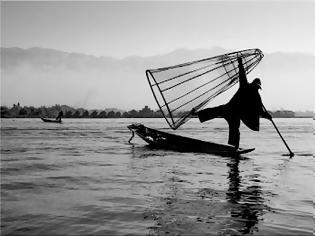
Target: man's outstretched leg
[(211, 113)]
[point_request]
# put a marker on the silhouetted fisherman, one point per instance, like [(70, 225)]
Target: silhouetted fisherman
[(245, 105), (60, 114)]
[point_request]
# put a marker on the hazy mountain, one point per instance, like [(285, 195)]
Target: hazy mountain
[(39, 76)]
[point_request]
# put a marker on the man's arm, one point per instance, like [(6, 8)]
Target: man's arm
[(242, 73)]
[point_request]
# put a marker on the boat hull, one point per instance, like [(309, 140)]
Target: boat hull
[(51, 120), (163, 140)]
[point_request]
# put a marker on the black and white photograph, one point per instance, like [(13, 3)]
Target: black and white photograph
[(179, 118)]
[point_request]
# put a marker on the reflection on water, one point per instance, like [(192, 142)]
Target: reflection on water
[(182, 211), (84, 178), (247, 204)]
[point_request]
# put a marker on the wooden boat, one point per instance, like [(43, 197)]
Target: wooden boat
[(163, 140), (50, 120)]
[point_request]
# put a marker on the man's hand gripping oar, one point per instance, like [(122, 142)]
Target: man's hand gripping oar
[(270, 118)]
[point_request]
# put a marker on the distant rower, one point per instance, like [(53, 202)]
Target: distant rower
[(58, 118), (245, 105)]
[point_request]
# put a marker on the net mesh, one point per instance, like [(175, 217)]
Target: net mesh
[(181, 88)]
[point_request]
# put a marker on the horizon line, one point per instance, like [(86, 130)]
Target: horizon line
[(129, 109)]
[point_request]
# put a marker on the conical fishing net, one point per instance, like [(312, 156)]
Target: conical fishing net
[(181, 88)]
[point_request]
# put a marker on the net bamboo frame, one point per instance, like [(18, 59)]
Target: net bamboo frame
[(181, 88)]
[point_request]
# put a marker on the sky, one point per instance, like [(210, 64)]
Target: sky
[(120, 29), (130, 28)]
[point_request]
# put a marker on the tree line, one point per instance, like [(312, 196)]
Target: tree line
[(17, 111)]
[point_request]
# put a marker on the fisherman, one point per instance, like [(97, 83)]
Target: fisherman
[(60, 114), (245, 105)]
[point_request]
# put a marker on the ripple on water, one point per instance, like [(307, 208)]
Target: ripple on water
[(84, 178)]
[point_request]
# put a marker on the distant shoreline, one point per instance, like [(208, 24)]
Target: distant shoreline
[(306, 117), (18, 111)]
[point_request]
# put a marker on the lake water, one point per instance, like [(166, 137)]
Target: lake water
[(82, 177)]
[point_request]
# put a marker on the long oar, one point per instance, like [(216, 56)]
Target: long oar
[(291, 153)]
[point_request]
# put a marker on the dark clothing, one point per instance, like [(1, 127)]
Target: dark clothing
[(59, 116), (245, 105), (224, 111)]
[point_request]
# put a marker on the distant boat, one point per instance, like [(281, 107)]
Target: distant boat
[(50, 120)]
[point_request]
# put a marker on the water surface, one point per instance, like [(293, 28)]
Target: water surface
[(82, 177)]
